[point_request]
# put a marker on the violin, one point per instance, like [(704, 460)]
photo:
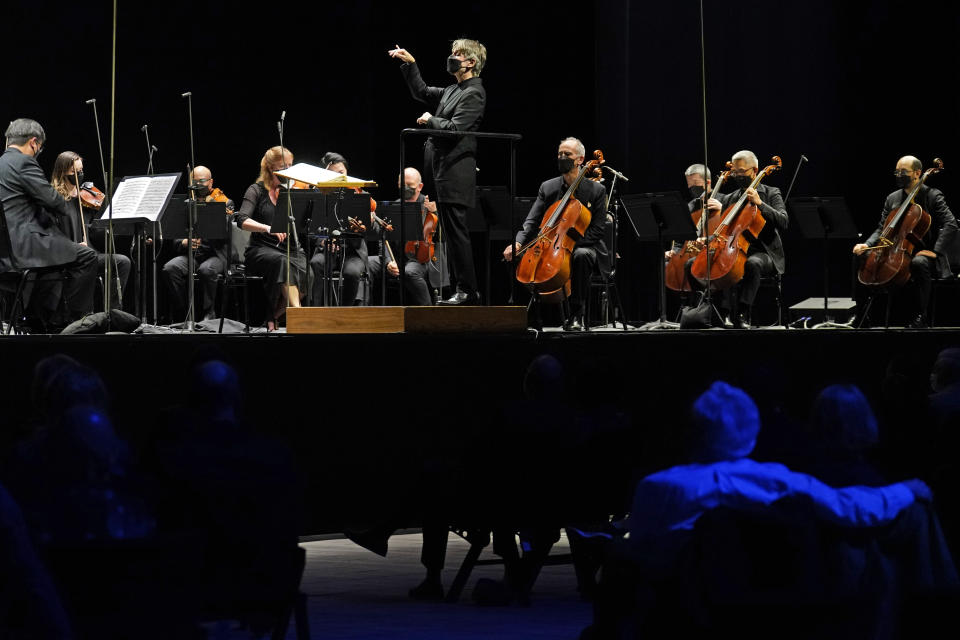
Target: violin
[(90, 196), (424, 251), (216, 195), (675, 277), (888, 262), (544, 266), (727, 250)]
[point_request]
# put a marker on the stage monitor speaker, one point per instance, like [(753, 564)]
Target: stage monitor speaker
[(843, 310)]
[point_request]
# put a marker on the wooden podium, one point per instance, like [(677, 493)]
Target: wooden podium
[(439, 319)]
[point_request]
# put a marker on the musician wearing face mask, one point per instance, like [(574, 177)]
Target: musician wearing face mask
[(458, 107), (932, 259), (420, 279), (266, 255), (31, 206), (697, 183), (209, 259), (765, 256), (590, 252), (67, 179), (355, 254)]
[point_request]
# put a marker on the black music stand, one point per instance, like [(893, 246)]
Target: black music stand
[(823, 218), (659, 217)]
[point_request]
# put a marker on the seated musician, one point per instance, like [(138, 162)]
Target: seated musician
[(765, 256), (30, 206), (419, 279), (354, 264), (67, 179), (931, 260), (590, 252), (698, 181), (266, 255), (210, 256)]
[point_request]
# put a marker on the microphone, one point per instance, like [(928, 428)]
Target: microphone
[(804, 158), (283, 116), (153, 148), (615, 172), (187, 94), (91, 101), (143, 128)]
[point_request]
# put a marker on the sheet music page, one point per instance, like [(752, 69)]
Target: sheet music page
[(151, 205), (127, 198), (310, 174), (141, 197)]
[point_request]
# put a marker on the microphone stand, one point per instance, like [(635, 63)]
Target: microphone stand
[(291, 222), (707, 294), (188, 323), (108, 263), (150, 149), (803, 159)]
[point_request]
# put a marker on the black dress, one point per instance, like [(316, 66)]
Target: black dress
[(265, 257)]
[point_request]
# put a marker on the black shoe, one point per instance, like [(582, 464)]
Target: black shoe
[(573, 325), (427, 590), (462, 298), (920, 322), (370, 540), (739, 321)]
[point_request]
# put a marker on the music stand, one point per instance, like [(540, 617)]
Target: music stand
[(823, 218), (660, 217)]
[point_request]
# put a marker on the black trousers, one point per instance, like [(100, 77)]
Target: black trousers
[(353, 268), (455, 233), (76, 290), (175, 275), (271, 264), (757, 266), (415, 277), (584, 263), (923, 270)]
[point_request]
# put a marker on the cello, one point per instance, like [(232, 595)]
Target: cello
[(544, 266), (727, 250), (674, 276), (888, 262)]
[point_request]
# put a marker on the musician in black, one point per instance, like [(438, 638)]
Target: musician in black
[(31, 206), (210, 256), (67, 179), (590, 252), (765, 256), (355, 255), (459, 107), (933, 258), (420, 279), (266, 255), (698, 180)]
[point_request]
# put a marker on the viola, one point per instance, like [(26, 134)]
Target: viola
[(91, 197), (216, 195), (888, 262), (544, 266), (727, 250), (424, 251), (675, 277)]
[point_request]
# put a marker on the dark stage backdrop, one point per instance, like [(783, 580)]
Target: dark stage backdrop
[(851, 85)]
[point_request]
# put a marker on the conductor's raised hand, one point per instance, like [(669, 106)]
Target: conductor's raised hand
[(401, 54)]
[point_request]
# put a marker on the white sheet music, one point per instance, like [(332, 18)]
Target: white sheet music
[(142, 197), (303, 172)]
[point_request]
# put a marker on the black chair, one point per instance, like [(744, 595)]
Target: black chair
[(605, 285), (237, 279), (775, 282), (15, 279)]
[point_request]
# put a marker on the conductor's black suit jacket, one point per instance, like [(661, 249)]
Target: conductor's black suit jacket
[(29, 204), (453, 161)]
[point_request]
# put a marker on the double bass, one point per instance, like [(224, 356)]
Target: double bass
[(674, 276), (544, 266), (727, 250), (888, 262)]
